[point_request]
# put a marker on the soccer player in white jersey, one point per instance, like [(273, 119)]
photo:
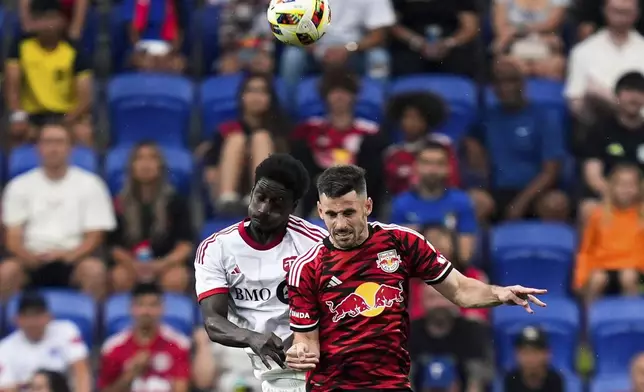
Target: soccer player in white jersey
[(241, 272)]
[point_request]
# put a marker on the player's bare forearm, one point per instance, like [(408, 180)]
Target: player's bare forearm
[(467, 292), (311, 339), (218, 328)]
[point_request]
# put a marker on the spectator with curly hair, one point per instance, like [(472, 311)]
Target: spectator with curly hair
[(49, 381), (413, 117), (240, 145)]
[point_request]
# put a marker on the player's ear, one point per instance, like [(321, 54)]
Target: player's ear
[(368, 206), (320, 210)]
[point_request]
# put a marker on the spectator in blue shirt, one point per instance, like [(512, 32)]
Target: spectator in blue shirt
[(519, 148), (433, 203)]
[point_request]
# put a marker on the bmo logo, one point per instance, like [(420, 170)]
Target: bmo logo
[(255, 295)]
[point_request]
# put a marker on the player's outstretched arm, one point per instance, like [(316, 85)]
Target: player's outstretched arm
[(222, 331), (471, 293)]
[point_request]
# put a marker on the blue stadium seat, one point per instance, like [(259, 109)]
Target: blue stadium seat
[(216, 225), (560, 319), (369, 104), (611, 383), (150, 107), (617, 332), (459, 93), (25, 158), (179, 162), (533, 254), (178, 313), (219, 100), (206, 30), (65, 305)]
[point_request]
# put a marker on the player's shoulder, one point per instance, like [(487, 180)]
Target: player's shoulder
[(305, 263), (216, 240), (305, 230), (116, 341), (397, 231), (174, 337)]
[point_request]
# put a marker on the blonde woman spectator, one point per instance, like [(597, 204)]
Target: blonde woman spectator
[(611, 256), (528, 32), (153, 238)]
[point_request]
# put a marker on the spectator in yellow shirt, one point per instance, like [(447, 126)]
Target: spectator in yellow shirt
[(48, 79), (611, 256)]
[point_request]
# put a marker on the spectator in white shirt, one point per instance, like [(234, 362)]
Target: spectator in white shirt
[(41, 343), (55, 218), (597, 63), (358, 26)]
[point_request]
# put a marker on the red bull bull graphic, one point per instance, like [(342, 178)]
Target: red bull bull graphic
[(369, 300), (388, 261)]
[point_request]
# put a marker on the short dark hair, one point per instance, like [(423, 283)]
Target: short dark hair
[(285, 170), (57, 381), (433, 145), (55, 122), (141, 289), (338, 78), (339, 180), (32, 301), (430, 106), (633, 81)]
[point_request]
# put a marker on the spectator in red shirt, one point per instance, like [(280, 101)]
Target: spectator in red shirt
[(149, 356), (414, 116), (238, 146), (338, 138)]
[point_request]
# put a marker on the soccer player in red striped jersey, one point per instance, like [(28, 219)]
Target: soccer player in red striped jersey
[(240, 272), (349, 294)]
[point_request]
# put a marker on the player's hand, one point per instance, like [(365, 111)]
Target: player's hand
[(520, 296), (268, 346), (139, 362), (299, 357)]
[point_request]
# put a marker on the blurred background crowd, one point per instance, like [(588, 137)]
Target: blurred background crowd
[(510, 133)]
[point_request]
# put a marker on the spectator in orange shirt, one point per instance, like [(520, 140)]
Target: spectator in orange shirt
[(611, 258)]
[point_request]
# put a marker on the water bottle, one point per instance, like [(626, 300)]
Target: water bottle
[(143, 252)]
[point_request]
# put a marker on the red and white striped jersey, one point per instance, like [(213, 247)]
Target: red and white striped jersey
[(252, 274)]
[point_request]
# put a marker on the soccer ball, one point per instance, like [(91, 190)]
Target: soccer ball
[(299, 22)]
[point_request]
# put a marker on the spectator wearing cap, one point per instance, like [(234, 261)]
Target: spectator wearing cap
[(149, 356), (525, 137), (439, 376), (338, 138), (443, 332), (534, 372), (41, 343)]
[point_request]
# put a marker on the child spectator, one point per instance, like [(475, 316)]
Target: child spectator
[(611, 255)]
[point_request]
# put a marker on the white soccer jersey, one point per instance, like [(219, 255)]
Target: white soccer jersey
[(254, 276)]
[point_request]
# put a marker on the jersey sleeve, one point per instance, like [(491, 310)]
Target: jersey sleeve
[(181, 368), (424, 261), (75, 348), (210, 274), (109, 370), (302, 292)]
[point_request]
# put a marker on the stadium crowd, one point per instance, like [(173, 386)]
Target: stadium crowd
[(510, 133)]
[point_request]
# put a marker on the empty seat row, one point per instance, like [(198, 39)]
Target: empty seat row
[(179, 163), (180, 313), (158, 107)]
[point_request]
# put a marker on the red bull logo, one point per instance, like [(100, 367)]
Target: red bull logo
[(388, 261), (369, 300)]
